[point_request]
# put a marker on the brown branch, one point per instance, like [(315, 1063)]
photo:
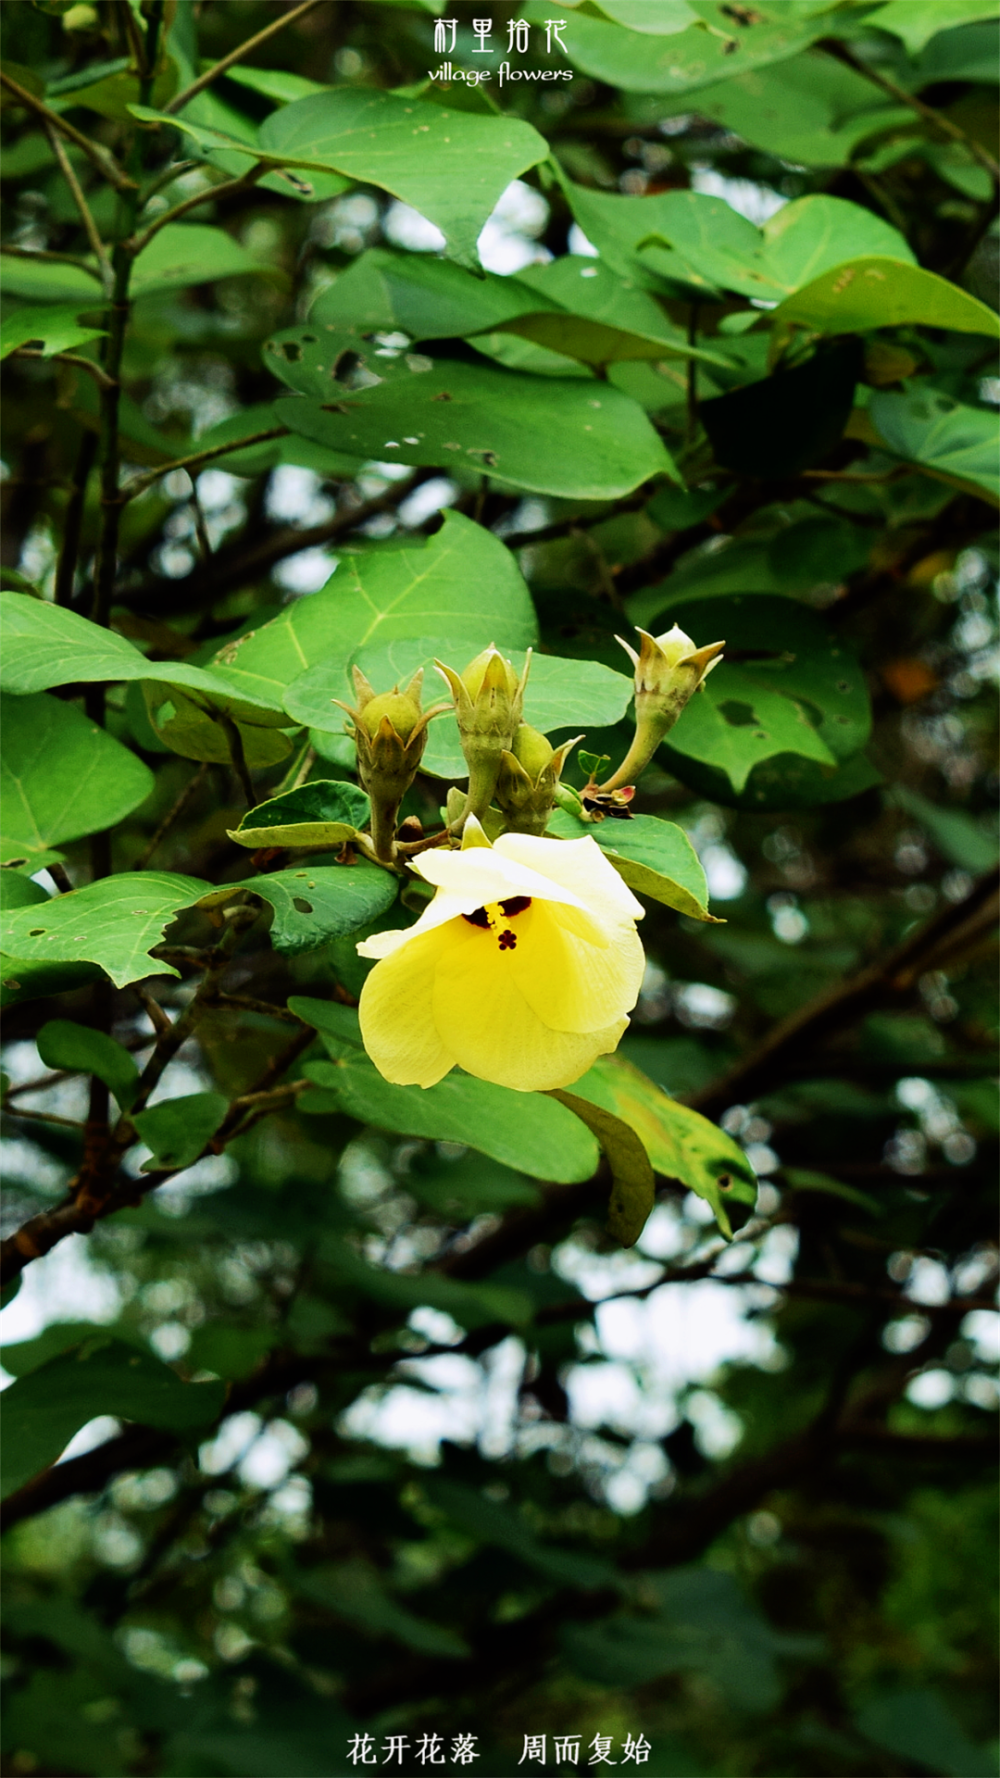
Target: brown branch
[(179, 100), (177, 808), (103, 161), (893, 975), (141, 482), (211, 193), (927, 112), (102, 380), (237, 565), (90, 226)]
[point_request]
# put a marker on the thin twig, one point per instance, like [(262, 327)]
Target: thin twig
[(212, 193), (927, 112), (160, 1020), (179, 100), (139, 482), (193, 784), (90, 226), (270, 1008), (100, 377), (41, 253), (103, 161)]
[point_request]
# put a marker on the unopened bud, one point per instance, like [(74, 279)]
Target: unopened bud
[(390, 733), (529, 778), (669, 669), (488, 698)]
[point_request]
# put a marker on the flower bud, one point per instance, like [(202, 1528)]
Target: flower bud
[(528, 779), (488, 697), (390, 732), (669, 669)]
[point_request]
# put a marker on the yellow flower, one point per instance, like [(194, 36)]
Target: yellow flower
[(522, 970)]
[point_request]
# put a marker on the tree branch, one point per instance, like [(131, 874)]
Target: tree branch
[(953, 929), (211, 193), (179, 100), (236, 565), (140, 482), (927, 112), (90, 226), (103, 161)]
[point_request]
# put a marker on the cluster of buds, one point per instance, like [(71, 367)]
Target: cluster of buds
[(669, 669), (511, 763), (389, 730)]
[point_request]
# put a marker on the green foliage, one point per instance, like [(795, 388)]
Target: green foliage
[(80, 1050), (101, 923), (100, 1376), (413, 1445), (61, 777)]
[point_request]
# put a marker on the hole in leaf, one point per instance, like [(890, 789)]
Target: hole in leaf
[(37, 932), (291, 350), (300, 904), (737, 714)]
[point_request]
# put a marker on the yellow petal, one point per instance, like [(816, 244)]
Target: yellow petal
[(571, 985), (478, 876), (492, 1031), (395, 1011), (578, 867)]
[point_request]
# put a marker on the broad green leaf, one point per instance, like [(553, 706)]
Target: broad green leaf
[(683, 61), (45, 645), (190, 709), (24, 1356), (325, 812), (198, 728), (811, 109), (56, 328), (112, 922), (810, 235), (561, 694), (462, 585), (785, 685), (43, 1410), (184, 253), (701, 1623), (655, 17), (632, 1187), (795, 246), (276, 84), (876, 291), (654, 857), (499, 1523), (917, 21), (603, 319), (496, 423), (19, 891), (918, 1727), (61, 776), (971, 51), (803, 1179), (82, 1050), (957, 835), (49, 281), (526, 1131), (22, 980), (946, 437), (113, 94), (450, 165), (231, 1352), (353, 1592), (320, 902), (428, 298), (178, 1129), (680, 1143)]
